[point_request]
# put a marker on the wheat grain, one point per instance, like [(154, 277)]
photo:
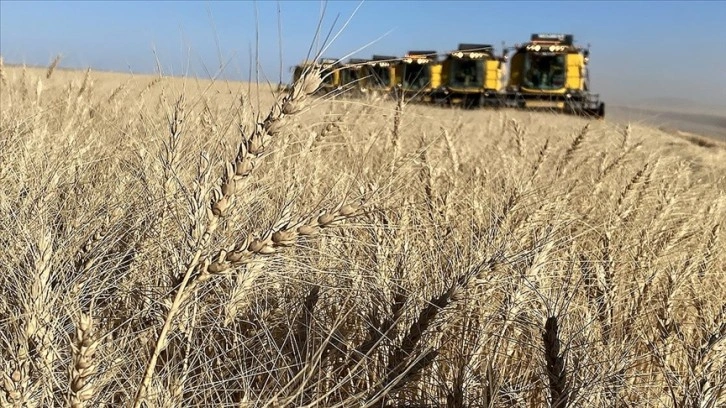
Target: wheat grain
[(83, 366)]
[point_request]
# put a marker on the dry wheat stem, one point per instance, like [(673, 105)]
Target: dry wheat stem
[(574, 147), (3, 75), (249, 151), (53, 65)]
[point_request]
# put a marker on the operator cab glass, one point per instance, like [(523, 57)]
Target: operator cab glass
[(328, 76), (544, 71), (416, 76), (467, 73), (352, 75), (381, 76)]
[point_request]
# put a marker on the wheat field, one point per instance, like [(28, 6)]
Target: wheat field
[(174, 242)]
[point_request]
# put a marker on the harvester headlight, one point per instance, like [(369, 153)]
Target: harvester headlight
[(568, 95)]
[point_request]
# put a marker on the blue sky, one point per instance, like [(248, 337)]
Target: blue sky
[(658, 48)]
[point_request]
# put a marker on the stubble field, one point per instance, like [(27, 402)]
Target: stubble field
[(172, 242)]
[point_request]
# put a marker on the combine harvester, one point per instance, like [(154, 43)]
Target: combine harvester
[(330, 73), (380, 75), (353, 76), (472, 76), (418, 75), (550, 72)]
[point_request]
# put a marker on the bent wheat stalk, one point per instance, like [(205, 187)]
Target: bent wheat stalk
[(250, 150)]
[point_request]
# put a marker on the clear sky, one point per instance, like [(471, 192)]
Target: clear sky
[(649, 49)]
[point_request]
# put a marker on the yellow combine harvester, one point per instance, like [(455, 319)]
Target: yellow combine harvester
[(418, 75), (380, 74), (550, 72), (472, 76), (353, 76), (330, 72)]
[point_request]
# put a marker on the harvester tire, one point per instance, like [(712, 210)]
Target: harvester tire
[(601, 110)]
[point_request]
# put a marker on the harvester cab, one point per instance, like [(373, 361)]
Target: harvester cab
[(381, 74), (419, 74), (352, 75), (550, 72), (472, 76), (330, 73)]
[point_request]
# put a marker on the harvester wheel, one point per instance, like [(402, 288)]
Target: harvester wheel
[(601, 110)]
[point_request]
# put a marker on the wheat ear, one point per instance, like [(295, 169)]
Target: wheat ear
[(3, 75), (53, 65), (396, 133), (249, 151), (17, 386), (574, 146), (556, 371), (83, 367)]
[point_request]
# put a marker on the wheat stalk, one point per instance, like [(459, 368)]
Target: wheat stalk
[(555, 368), (86, 84), (38, 91), (38, 326), (250, 150), (396, 131), (574, 147), (519, 136), (154, 82), (452, 151), (3, 75), (53, 65)]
